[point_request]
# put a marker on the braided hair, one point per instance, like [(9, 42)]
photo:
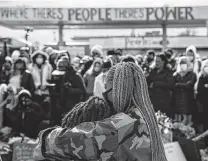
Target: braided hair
[(130, 88), (94, 109)]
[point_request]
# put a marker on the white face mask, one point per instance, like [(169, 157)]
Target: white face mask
[(206, 70), (184, 67), (39, 61)]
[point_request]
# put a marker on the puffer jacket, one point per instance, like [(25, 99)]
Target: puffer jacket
[(121, 137)]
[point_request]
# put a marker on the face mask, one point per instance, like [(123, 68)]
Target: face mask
[(206, 70), (168, 56), (96, 69), (39, 61), (191, 58), (184, 67), (149, 59)]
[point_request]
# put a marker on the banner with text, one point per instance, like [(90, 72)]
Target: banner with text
[(93, 15)]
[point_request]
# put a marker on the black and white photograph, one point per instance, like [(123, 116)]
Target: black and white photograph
[(103, 80)]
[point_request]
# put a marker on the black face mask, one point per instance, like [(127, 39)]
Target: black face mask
[(105, 96), (168, 56), (149, 59)]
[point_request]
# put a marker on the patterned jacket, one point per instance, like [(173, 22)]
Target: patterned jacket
[(121, 137)]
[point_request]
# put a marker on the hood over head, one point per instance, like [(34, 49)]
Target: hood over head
[(15, 55), (24, 92), (97, 49), (9, 59), (151, 52), (98, 60), (86, 58), (183, 60), (193, 49), (49, 50), (36, 53), (204, 64)]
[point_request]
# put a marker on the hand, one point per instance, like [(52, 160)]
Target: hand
[(206, 85), (151, 85), (178, 84), (67, 84), (6, 130), (46, 121), (43, 88), (169, 66)]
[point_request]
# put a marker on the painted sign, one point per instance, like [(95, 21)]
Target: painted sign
[(23, 152), (100, 14), (74, 51), (174, 152), (137, 14), (33, 14), (80, 15), (144, 42)]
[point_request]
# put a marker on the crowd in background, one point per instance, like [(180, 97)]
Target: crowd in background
[(37, 90)]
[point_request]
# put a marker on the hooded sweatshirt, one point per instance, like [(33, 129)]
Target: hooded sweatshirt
[(89, 77), (98, 50), (40, 75), (196, 65)]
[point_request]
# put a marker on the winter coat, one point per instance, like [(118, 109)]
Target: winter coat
[(99, 87), (73, 91), (89, 77), (89, 80), (40, 75), (160, 93), (27, 82), (183, 93), (197, 62), (4, 78), (121, 137), (26, 123), (202, 101)]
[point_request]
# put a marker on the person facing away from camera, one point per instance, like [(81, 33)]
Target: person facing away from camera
[(129, 133)]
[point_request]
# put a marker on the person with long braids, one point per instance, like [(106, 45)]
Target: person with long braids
[(129, 133)]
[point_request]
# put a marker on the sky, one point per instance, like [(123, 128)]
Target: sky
[(52, 35)]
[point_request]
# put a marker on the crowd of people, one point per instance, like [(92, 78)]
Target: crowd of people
[(38, 90)]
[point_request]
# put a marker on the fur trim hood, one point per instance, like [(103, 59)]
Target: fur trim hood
[(24, 92), (97, 49), (194, 50), (38, 53)]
